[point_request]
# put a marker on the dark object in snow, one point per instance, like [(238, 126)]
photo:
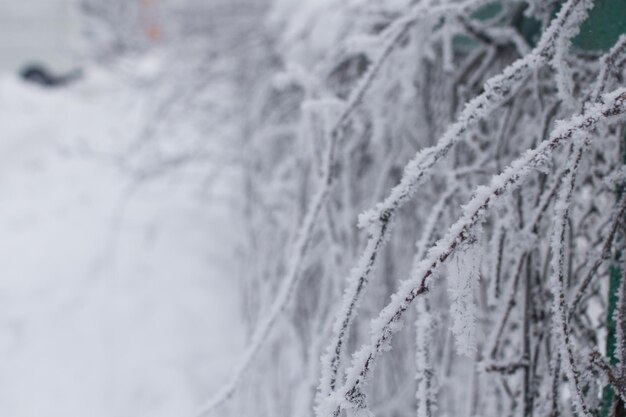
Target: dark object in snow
[(39, 74)]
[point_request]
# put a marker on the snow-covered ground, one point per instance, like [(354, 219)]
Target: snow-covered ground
[(116, 299)]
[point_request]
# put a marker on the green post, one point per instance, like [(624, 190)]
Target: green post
[(615, 278), (606, 22)]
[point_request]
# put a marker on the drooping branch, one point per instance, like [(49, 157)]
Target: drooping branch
[(424, 328), (601, 257), (558, 280), (389, 321), (497, 90), (563, 76), (421, 247)]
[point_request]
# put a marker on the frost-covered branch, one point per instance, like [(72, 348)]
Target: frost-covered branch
[(511, 296), (507, 368), (617, 380), (563, 74), (605, 253), (389, 321), (610, 65), (421, 247), (424, 328), (497, 90), (558, 280)]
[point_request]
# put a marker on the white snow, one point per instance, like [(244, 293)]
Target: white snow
[(115, 300)]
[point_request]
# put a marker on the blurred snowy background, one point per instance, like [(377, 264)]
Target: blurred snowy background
[(114, 280), (45, 30)]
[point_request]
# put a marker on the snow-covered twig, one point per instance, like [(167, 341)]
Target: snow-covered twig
[(617, 380), (563, 74), (605, 254), (558, 280), (421, 247), (424, 327), (389, 321), (609, 66), (511, 296), (507, 368), (616, 375)]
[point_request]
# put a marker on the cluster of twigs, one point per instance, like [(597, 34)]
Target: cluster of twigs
[(537, 234)]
